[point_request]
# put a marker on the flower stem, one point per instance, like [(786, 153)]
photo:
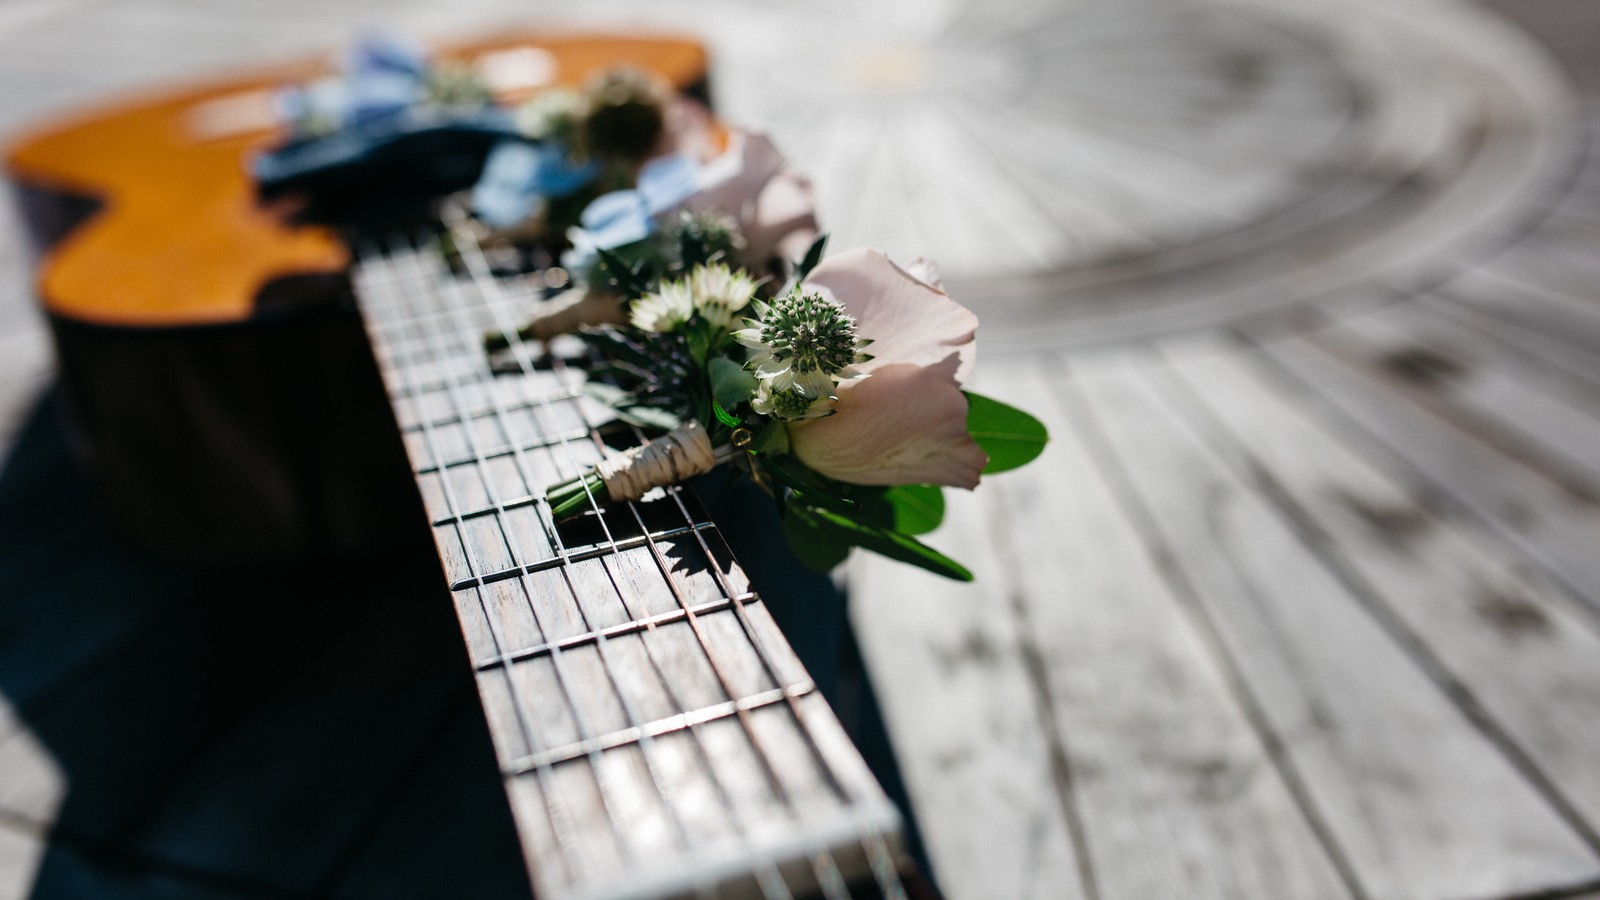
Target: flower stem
[(571, 497)]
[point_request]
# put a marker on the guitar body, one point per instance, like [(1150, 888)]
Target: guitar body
[(214, 368)]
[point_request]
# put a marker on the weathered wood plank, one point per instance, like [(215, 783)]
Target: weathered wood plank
[(1529, 412), (1508, 644), (1420, 803), (1178, 794), (1577, 368), (1543, 518), (981, 766)]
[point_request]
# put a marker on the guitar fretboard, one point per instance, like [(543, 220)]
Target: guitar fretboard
[(656, 734)]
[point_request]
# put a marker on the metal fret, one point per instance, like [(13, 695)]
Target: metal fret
[(771, 884), (636, 733), (614, 613), (597, 551), (645, 742), (508, 450), (826, 868), (666, 618)]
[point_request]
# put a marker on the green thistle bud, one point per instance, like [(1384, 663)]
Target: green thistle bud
[(802, 344), (627, 115), (810, 333)]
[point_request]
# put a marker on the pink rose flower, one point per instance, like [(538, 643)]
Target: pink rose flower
[(771, 203), (904, 419)]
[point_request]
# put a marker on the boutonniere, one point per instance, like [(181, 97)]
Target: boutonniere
[(745, 207), (842, 396)]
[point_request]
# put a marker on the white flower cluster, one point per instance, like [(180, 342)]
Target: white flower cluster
[(801, 346), (716, 292)]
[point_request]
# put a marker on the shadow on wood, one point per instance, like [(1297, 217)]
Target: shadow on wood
[(290, 730)]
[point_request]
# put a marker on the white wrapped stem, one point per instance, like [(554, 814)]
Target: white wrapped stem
[(571, 310), (678, 455)]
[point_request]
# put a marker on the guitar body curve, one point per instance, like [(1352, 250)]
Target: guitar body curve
[(214, 369)]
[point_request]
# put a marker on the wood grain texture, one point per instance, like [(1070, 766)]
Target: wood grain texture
[(1504, 640), (1144, 709), (1382, 754), (979, 758), (1525, 506)]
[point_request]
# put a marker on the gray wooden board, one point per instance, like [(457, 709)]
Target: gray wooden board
[(1176, 793), (1519, 503), (1420, 804), (1573, 368), (1575, 320), (964, 711), (1511, 641), (1526, 408)]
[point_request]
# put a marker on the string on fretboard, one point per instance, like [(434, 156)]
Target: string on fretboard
[(656, 734)]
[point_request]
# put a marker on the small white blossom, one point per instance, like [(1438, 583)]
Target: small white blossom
[(665, 310), (720, 291), (790, 404), (802, 345)]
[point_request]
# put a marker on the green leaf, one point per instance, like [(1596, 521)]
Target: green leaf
[(730, 383), (650, 418), (1011, 437), (609, 394), (819, 547), (918, 508), (723, 416), (801, 480), (883, 541), (907, 508), (629, 276), (812, 257)]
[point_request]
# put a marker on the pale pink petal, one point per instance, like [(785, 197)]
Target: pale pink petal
[(907, 320), (730, 183), (783, 221), (903, 424), (926, 271)]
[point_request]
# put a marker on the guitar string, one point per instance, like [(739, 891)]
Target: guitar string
[(768, 875), (880, 860), (825, 867), (563, 828), (874, 846), (770, 882)]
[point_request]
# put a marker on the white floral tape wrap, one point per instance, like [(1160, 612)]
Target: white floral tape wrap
[(681, 453)]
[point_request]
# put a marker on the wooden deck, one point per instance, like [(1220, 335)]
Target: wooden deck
[(1302, 602)]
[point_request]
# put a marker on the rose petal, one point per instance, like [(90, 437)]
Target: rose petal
[(926, 271), (783, 221), (731, 182), (903, 424), (907, 320)]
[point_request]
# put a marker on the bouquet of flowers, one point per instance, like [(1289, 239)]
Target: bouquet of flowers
[(743, 206), (840, 394)]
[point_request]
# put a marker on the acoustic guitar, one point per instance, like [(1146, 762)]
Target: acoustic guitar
[(241, 386)]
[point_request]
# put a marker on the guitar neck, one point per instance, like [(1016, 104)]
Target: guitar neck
[(656, 734)]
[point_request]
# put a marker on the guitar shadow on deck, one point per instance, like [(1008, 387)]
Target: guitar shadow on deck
[(298, 730)]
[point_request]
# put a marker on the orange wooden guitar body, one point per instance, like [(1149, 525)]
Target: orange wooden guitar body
[(214, 371)]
